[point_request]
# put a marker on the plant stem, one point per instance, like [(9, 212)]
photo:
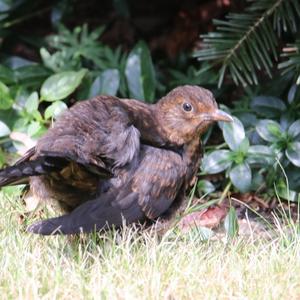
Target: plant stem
[(216, 147), (225, 192), (191, 196), (24, 18)]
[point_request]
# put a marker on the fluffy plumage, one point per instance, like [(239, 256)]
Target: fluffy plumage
[(106, 159)]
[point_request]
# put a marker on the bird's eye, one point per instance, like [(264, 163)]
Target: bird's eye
[(187, 106)]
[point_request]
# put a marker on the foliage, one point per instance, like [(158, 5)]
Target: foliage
[(261, 146), (292, 63), (140, 73), (239, 159), (75, 65), (256, 156), (75, 49), (248, 42)]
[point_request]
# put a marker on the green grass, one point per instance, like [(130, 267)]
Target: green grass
[(133, 265)]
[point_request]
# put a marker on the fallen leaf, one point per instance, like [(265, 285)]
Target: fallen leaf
[(210, 218)]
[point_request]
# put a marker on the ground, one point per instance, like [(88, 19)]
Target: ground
[(139, 265)]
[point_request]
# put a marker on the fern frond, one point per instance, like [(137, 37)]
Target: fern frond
[(292, 63), (247, 42)]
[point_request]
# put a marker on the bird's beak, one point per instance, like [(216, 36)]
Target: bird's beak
[(220, 115)]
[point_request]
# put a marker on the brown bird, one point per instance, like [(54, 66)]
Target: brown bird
[(106, 159)]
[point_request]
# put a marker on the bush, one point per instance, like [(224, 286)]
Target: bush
[(261, 146), (75, 65)]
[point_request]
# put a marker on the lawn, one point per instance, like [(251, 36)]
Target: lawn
[(134, 265)]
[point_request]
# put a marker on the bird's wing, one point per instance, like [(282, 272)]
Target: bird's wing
[(157, 180), (28, 154), (97, 131), (94, 137), (147, 194), (57, 164)]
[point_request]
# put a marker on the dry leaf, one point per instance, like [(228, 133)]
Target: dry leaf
[(209, 218)]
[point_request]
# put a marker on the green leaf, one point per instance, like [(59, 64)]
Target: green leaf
[(20, 124), (37, 116), (140, 73), (292, 93), (257, 181), (31, 74), (61, 85), (244, 145), (260, 155), (5, 6), (245, 43), (95, 88), (231, 223), (269, 130), (35, 129), (4, 130), (6, 75), (286, 120), (294, 129), (55, 109), (293, 153), (205, 186), (233, 133), (107, 83), (216, 161), (110, 82), (15, 62), (241, 177), (292, 62), (32, 102), (133, 74), (2, 158), (268, 106), (48, 59), (6, 101), (285, 192), (9, 117), (293, 176), (247, 119)]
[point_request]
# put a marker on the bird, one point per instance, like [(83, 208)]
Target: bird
[(108, 160)]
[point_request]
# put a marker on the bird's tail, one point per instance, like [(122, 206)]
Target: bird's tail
[(19, 173), (93, 215)]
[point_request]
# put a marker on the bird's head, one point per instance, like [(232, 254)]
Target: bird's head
[(187, 111)]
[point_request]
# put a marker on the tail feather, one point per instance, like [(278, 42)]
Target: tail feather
[(94, 215), (20, 172)]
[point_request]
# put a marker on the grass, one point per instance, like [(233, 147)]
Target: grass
[(133, 265)]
